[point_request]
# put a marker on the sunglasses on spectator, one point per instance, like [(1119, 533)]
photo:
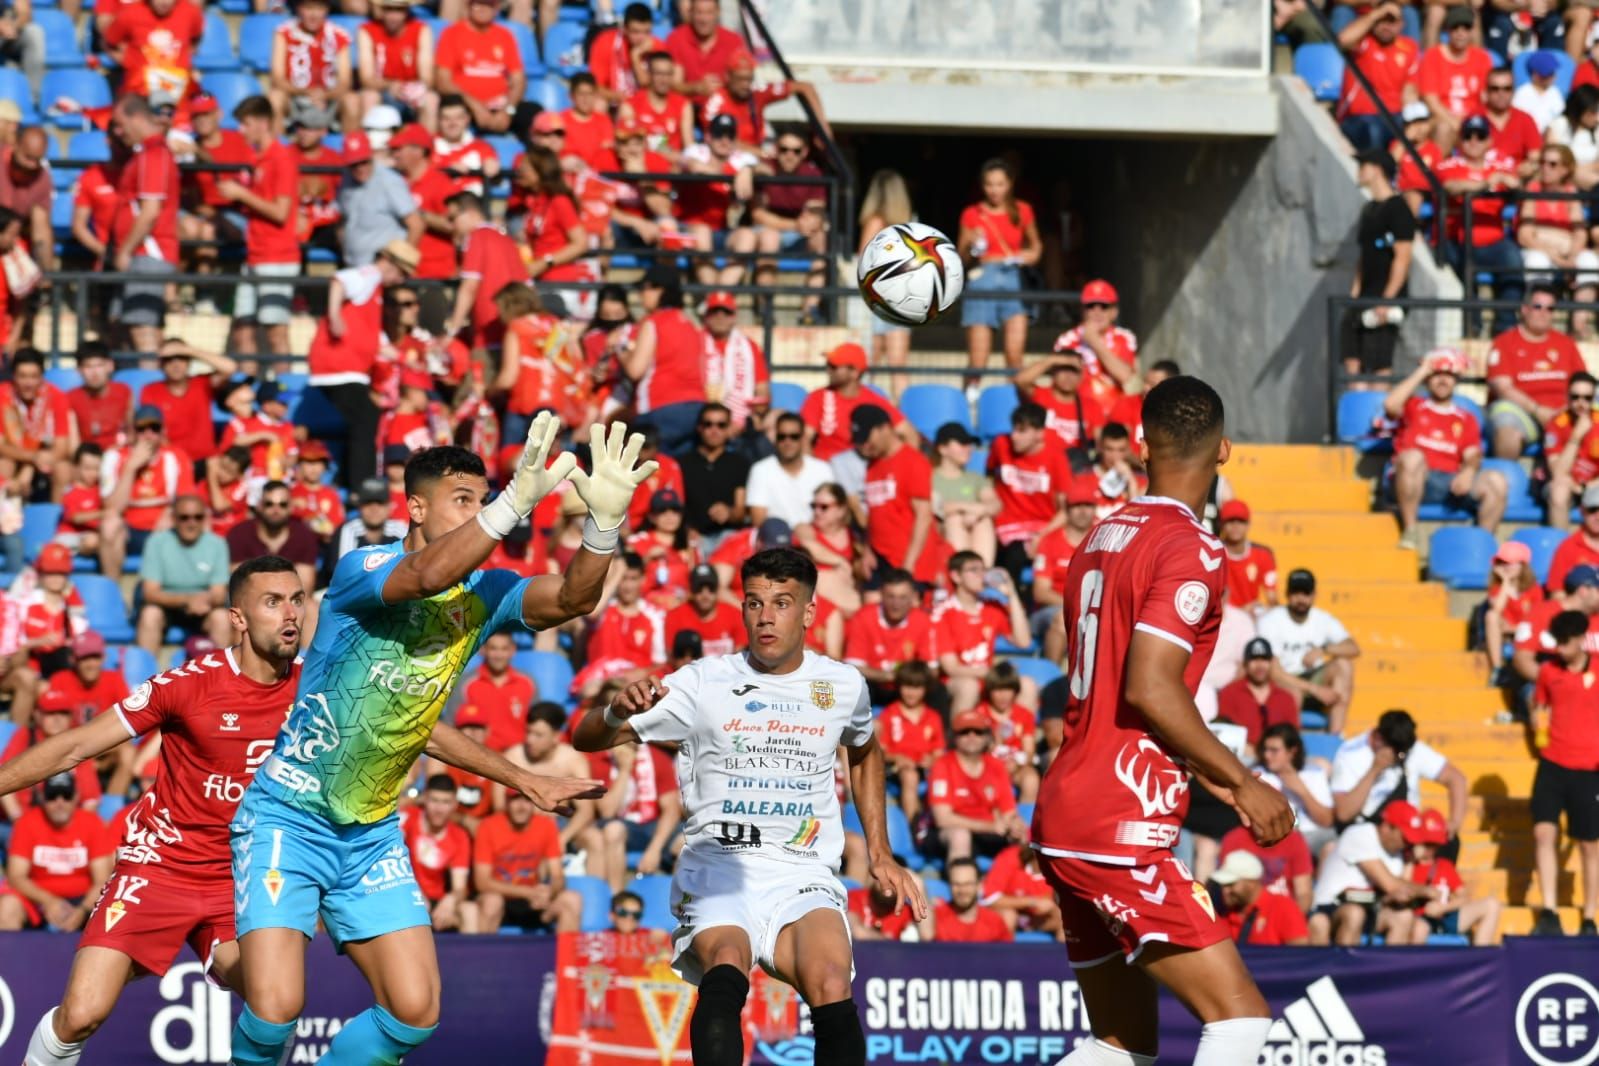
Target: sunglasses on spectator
[(148, 427), (1541, 307), (551, 133), (1500, 88), (791, 436), (790, 149), (407, 303), (1097, 306), (1586, 397), (1474, 135), (823, 505), (274, 505), (628, 913), (971, 733), (714, 425), (189, 516)]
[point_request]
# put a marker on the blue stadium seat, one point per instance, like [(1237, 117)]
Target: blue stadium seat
[(505, 146), (39, 522), (61, 178), (528, 45), (7, 727), (102, 602), (549, 92), (85, 86), (1358, 412), (1003, 646), (15, 87), (852, 820), (1040, 670), (596, 902), (994, 406), (1520, 504), (89, 146), (136, 379), (1024, 811), (656, 892), (936, 889), (1322, 68), (1543, 541), (138, 665), (1460, 556), (61, 215), (1321, 745), (787, 396), (978, 463), (110, 806), (63, 377), (1563, 74), (1467, 404), (550, 671), (60, 39), (255, 41), (900, 840), (292, 382), (1341, 16), (229, 87), (563, 49), (235, 7), (215, 51), (930, 406)]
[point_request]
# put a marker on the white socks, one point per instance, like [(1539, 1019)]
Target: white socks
[(1235, 1042), (1095, 1052), (45, 1049)]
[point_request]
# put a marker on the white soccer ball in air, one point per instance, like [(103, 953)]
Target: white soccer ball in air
[(909, 274)]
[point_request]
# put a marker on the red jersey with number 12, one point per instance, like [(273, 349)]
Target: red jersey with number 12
[(217, 728), (1116, 794)]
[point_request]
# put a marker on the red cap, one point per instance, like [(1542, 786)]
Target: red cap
[(1233, 511), (1434, 828), (722, 301), (1446, 360), (1099, 291), (848, 354), (315, 450), (470, 714), (741, 60), (203, 104), (626, 128), (53, 699), (416, 379), (88, 643), (1513, 551), (357, 148), (54, 559), (413, 135), (972, 719), (1084, 488), (548, 122), (1406, 819)]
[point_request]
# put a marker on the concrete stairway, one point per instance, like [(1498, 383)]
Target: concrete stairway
[(1312, 509)]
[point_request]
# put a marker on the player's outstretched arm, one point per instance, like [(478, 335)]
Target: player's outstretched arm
[(448, 560), (607, 489), (1155, 688), (866, 785), (449, 745), (62, 752), (609, 729)]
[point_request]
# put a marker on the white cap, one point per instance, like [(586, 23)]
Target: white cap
[(1239, 866), (1415, 111), (382, 117)]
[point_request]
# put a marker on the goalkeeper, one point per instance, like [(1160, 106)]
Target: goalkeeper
[(317, 831)]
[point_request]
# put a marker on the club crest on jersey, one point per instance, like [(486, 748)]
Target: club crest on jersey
[(1191, 600), (114, 914), (822, 695), (273, 881), (1202, 897)]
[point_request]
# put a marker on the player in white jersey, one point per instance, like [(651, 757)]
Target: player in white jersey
[(757, 881)]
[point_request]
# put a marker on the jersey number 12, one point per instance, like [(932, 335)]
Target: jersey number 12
[(1093, 589)]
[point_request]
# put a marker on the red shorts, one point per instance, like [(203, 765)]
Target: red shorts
[(1109, 910), (149, 918)]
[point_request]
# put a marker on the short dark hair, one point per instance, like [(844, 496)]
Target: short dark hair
[(1398, 730), (1580, 377), (633, 561), (955, 864), (688, 643), (1567, 625), (636, 12), (451, 100), (780, 564), (961, 558), (712, 408), (1168, 367), (93, 350), (275, 486), (659, 53), (261, 564), (1182, 413), (624, 895), (467, 201), (253, 107), (31, 356), (1114, 431), (549, 712), (913, 672), (790, 416), (240, 455), (1029, 416), (439, 783), (895, 576), (1288, 733), (582, 77), (87, 448), (135, 106), (430, 464), (1540, 287)]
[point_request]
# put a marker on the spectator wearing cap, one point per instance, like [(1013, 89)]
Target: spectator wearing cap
[(705, 209), (312, 501), (376, 203), (702, 50), (1565, 718), (144, 231), (827, 411), (1362, 888), (1254, 701), (1072, 417), (1030, 480), (968, 623), (138, 482), (1539, 96), (1413, 183), (898, 494), (643, 211), (345, 348), (1530, 367), (784, 485), (1315, 653), (1251, 567), (667, 362), (373, 523), (669, 548), (1389, 764), (1386, 233), (715, 477), (1449, 912), (311, 69), (665, 116), (1534, 642), (1375, 45), (379, 124), (394, 61), (970, 795), (1581, 548), (1476, 168), (736, 374), (467, 159), (51, 611), (998, 238), (1438, 448), (1108, 350), (268, 196), (489, 261), (430, 187), (617, 55), (84, 689), (718, 622), (318, 211), (60, 856), (183, 574), (1554, 233), (1513, 26), (36, 427), (964, 501), (1451, 74), (478, 60), (1513, 595), (1255, 916), (184, 400)]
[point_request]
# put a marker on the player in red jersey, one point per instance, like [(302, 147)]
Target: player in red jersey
[(1143, 607)]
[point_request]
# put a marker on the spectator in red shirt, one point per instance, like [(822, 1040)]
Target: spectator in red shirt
[(628, 627), (478, 59), (441, 856), (747, 102), (552, 223), (702, 49), (204, 217), (1477, 168), (1579, 549), (469, 161), (899, 499), (81, 505), (667, 362), (185, 400), (1071, 417), (896, 630), (1451, 76), (395, 61), (1251, 568), (1289, 869), (269, 198), (590, 135), (970, 795), (1109, 350), (665, 116), (642, 810), (719, 624), (964, 919), (617, 56), (144, 235), (1534, 644), (1016, 888), (1412, 181), (792, 219), (827, 410), (1529, 368), (412, 148), (60, 857), (102, 409), (316, 504), (705, 208), (875, 916), (1030, 479), (1565, 720), (998, 238), (1050, 564), (35, 426), (516, 868), (1253, 701), (1376, 45), (311, 68), (1571, 449), (1554, 234), (1438, 448), (1015, 728), (1448, 911), (138, 482), (502, 692), (153, 43), (1256, 916), (1513, 595), (1515, 133), (489, 261), (911, 733)]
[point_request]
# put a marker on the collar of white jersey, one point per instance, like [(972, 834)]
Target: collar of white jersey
[(1165, 501)]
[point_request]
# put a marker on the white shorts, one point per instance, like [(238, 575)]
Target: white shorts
[(759, 896), (266, 305)]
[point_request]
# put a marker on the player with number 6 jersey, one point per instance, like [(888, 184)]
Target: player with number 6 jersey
[(216, 718)]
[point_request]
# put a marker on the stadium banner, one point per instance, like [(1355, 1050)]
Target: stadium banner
[(1553, 1001)]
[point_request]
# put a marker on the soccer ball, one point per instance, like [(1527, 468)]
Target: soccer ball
[(909, 274)]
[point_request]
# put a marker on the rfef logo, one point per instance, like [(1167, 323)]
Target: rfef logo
[(1557, 1021)]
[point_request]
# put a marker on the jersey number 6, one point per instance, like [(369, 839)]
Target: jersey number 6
[(1087, 632)]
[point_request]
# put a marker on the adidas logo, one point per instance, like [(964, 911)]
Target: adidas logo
[(1318, 1030)]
